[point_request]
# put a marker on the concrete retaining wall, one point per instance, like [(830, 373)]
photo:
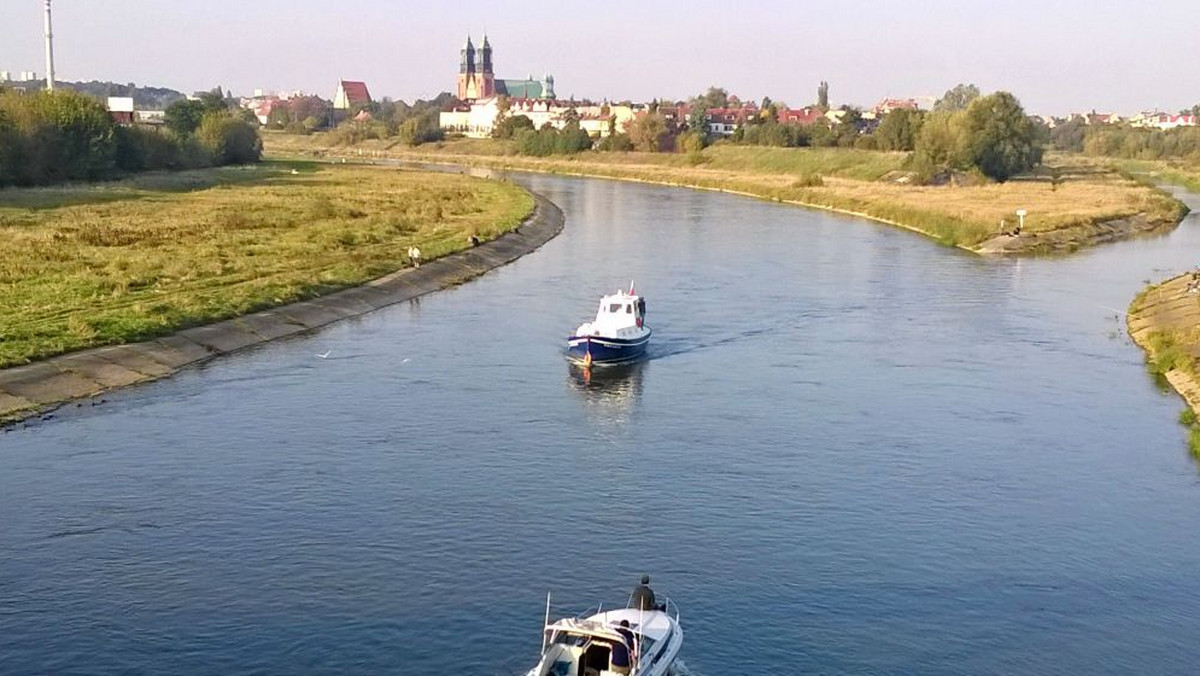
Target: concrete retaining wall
[(30, 390)]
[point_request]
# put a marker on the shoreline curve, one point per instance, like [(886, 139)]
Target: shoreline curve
[(35, 389)]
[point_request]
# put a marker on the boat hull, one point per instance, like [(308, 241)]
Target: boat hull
[(607, 350)]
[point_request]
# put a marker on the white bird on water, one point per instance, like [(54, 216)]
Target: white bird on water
[(326, 355)]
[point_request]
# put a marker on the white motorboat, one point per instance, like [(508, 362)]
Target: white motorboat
[(618, 333), (587, 645)]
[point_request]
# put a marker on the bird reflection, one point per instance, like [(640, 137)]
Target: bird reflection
[(608, 390)]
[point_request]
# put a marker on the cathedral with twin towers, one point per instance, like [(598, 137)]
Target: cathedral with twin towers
[(477, 79)]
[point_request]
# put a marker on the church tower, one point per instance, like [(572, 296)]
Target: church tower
[(487, 76), (466, 70)]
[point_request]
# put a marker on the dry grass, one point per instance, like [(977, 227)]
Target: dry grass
[(857, 181), (110, 263)]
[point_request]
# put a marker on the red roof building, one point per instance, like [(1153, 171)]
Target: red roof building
[(350, 94), (808, 115)]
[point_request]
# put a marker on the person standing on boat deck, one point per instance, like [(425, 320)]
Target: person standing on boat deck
[(622, 661), (642, 597)]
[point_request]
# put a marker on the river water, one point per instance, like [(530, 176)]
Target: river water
[(851, 450)]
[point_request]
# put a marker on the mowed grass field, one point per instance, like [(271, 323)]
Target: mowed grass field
[(109, 263), (870, 183)]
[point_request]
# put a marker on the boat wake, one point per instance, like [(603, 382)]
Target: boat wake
[(671, 348), (681, 669)]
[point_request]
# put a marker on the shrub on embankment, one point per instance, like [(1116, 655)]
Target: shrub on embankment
[(51, 137)]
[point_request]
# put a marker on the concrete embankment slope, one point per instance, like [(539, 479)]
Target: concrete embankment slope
[(26, 391), (1164, 321)]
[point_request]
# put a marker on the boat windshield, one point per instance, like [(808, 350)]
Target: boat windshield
[(615, 307), (565, 638)]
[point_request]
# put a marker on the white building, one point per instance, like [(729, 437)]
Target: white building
[(477, 119), (5, 76), (28, 76)]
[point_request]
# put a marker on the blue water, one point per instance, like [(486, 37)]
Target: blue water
[(851, 450)]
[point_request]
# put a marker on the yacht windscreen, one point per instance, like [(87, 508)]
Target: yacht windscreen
[(615, 307)]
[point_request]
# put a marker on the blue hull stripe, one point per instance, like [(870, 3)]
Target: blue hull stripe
[(607, 349)]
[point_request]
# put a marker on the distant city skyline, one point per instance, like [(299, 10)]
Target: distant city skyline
[(1061, 57)]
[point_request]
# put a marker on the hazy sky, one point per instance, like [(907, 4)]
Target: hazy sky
[(1055, 55)]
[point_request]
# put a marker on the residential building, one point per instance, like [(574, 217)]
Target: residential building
[(121, 109), (888, 105), (1159, 120), (806, 115)]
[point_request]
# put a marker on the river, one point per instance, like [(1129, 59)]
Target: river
[(851, 451)]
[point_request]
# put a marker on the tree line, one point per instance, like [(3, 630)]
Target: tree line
[(412, 124), (50, 137), (1126, 142), (990, 136)]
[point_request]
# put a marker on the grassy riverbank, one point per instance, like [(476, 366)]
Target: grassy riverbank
[(1164, 320), (97, 264), (1072, 203), (1162, 171)]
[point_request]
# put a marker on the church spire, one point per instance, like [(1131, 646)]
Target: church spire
[(486, 55), (467, 65)]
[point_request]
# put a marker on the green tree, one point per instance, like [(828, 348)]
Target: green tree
[(848, 127), (183, 117), (423, 128), (690, 142), (715, 97), (899, 130), (509, 126), (1069, 135), (572, 139), (698, 119), (939, 144), (213, 101), (823, 96), (76, 139), (8, 150), (1000, 139), (957, 98), (649, 132), (229, 140)]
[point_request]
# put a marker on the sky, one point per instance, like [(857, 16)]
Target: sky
[(1056, 56)]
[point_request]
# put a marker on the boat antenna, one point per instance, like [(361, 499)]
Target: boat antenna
[(546, 623), (631, 287)]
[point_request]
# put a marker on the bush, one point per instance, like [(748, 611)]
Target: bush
[(54, 136), (420, 129), (229, 140), (691, 142), (809, 180), (509, 126), (616, 143), (143, 149)]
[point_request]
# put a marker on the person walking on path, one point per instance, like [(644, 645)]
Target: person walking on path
[(414, 256)]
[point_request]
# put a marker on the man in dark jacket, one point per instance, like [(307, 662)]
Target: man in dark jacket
[(643, 596), (622, 652)]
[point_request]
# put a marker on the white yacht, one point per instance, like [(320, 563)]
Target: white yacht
[(586, 645)]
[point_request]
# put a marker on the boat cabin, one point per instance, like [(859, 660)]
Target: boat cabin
[(620, 315), (577, 648), (584, 647)]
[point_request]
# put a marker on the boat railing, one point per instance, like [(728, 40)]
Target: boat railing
[(670, 608)]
